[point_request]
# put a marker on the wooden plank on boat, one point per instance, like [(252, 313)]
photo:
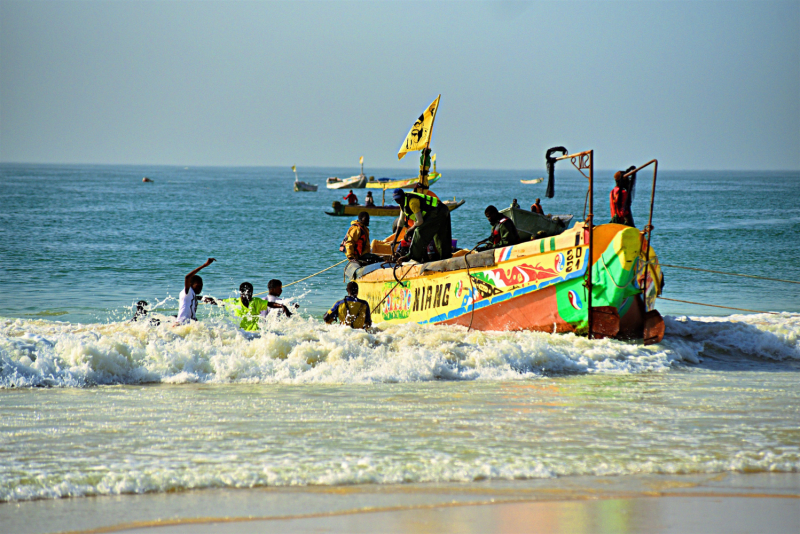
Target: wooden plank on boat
[(605, 321), (653, 327)]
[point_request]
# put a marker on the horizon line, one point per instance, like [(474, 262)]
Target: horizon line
[(217, 166)]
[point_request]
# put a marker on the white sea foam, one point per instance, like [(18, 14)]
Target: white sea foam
[(45, 353)]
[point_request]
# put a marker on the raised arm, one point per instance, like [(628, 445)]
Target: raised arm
[(187, 282)]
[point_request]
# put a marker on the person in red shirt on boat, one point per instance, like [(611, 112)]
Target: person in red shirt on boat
[(351, 198), (537, 208), (620, 208)]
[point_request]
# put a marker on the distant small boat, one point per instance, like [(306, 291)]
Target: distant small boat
[(354, 182), (301, 186), (534, 181), (358, 181), (407, 183), (345, 210), (147, 180), (304, 186)]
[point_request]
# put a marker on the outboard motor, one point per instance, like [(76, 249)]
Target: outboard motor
[(551, 169)]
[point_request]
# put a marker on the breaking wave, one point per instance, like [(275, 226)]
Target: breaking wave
[(35, 352)]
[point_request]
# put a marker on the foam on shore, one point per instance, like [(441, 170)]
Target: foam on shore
[(35, 352)]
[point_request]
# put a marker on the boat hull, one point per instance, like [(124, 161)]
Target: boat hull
[(303, 186), (354, 182), (403, 184), (345, 210), (538, 286)]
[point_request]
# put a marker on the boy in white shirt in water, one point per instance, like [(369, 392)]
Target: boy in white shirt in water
[(189, 297), (275, 289)]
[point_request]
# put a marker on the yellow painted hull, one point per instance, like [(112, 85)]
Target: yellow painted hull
[(403, 184), (537, 285)]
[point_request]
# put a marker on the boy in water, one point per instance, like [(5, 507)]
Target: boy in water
[(273, 298), (248, 307), (189, 297), (351, 310), (141, 314)]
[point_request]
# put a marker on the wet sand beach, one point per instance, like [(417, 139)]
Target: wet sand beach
[(729, 503)]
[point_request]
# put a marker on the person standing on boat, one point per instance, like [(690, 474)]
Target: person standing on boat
[(356, 244), (351, 310), (351, 198), (504, 232), (369, 201), (620, 208), (431, 221), (537, 208), (515, 204), (190, 295)]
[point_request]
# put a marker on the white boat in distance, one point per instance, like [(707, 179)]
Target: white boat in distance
[(534, 181), (302, 186), (354, 182)]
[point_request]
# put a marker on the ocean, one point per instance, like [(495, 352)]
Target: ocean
[(92, 404)]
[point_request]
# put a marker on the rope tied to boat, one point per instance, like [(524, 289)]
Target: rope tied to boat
[(718, 306), (730, 274), (307, 277), (399, 282)]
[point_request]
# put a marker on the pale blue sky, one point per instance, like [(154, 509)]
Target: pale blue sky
[(698, 85)]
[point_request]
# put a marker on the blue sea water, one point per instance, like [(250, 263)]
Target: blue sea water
[(91, 404), (82, 243)]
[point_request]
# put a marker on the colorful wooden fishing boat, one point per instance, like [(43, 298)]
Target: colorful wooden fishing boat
[(408, 183), (600, 281), (346, 210)]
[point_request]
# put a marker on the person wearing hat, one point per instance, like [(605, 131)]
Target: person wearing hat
[(431, 221)]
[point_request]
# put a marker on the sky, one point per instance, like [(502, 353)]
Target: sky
[(698, 85)]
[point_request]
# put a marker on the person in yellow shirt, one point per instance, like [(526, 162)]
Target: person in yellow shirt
[(248, 307), (351, 310), (356, 244)]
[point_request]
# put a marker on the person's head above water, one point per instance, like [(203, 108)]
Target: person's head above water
[(246, 290), (197, 284), (275, 287), (363, 218), (492, 215), (398, 195), (352, 289)]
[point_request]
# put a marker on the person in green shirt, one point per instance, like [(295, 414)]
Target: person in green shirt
[(248, 307)]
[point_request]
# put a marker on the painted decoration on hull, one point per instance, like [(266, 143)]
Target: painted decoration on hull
[(538, 291), (434, 299)]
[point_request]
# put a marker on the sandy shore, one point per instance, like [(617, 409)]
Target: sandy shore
[(728, 503)]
